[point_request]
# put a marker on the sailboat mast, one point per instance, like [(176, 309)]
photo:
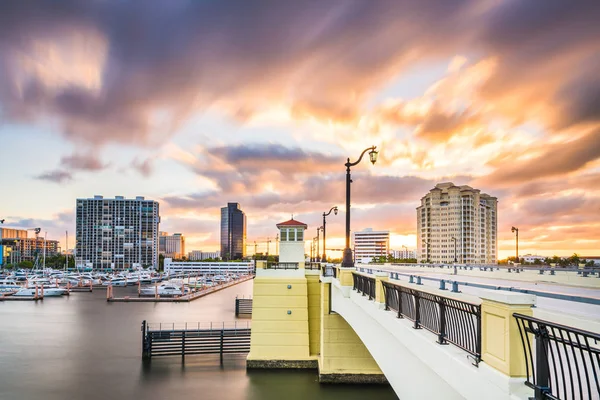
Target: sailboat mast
[(67, 250), (44, 262)]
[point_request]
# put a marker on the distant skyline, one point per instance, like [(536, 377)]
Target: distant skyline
[(197, 104)]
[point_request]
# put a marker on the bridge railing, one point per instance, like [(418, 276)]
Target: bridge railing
[(453, 321), (364, 284), (289, 265), (561, 362)]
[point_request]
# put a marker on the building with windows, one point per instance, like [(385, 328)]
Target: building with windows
[(209, 268), (171, 246), (403, 254), (457, 222), (199, 255), (233, 232), (370, 245), (16, 246), (116, 233), (531, 258)]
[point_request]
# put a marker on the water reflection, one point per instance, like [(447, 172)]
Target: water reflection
[(82, 347)]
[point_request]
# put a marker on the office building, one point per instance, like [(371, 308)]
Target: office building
[(370, 245), (199, 255), (233, 232), (459, 216), (403, 254), (16, 246), (116, 233), (171, 246)]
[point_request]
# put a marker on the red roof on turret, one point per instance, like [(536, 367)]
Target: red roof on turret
[(292, 222)]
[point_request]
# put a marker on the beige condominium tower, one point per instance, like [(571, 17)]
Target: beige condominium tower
[(457, 217)]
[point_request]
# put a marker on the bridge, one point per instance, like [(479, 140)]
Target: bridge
[(425, 342)]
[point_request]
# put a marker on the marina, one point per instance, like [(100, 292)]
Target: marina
[(91, 347)]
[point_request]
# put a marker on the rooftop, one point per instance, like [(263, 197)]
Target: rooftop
[(292, 222)]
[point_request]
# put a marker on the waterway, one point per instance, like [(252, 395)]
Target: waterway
[(81, 347)]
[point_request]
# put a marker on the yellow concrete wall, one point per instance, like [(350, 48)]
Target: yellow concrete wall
[(501, 345), (314, 313), (277, 335), (342, 351)]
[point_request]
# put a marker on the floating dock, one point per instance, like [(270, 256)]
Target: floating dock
[(181, 299)]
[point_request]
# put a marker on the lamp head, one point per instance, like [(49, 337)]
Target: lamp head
[(335, 210), (373, 155), (513, 229)]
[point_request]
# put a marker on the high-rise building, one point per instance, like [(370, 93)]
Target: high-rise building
[(459, 216), (16, 246), (116, 233), (233, 232), (171, 246), (370, 245)]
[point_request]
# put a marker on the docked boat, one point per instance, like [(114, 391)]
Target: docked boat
[(48, 292), (165, 289), (115, 282), (9, 285)]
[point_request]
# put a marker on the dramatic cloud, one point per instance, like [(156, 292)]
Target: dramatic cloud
[(55, 176), (84, 162), (144, 167)]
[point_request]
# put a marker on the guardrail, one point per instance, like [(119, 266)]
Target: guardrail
[(282, 266), (364, 284), (561, 362), (453, 321)]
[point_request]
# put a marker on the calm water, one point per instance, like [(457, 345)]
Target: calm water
[(83, 347)]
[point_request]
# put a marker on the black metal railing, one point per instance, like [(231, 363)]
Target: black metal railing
[(282, 265), (453, 321), (312, 265), (561, 362), (364, 284)]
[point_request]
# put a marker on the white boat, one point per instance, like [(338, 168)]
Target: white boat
[(48, 292), (9, 284), (115, 282), (165, 289)]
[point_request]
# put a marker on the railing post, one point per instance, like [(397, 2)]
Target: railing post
[(442, 308), (380, 296), (183, 345), (145, 348), (399, 293), (221, 347), (417, 310), (542, 372), (501, 344)]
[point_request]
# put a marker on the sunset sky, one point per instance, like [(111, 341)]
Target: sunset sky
[(200, 103)]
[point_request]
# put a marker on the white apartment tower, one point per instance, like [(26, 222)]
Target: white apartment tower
[(116, 233), (461, 214), (369, 245)]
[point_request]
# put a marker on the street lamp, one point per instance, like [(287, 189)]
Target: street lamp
[(516, 230), (454, 240), (347, 260), (335, 210), (426, 242), (318, 253)]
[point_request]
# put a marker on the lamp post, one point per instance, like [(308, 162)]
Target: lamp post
[(315, 244), (426, 242), (318, 253), (454, 240), (347, 261), (335, 210), (516, 231)]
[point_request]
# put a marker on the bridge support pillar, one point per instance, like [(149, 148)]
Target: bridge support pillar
[(344, 358), (501, 345)]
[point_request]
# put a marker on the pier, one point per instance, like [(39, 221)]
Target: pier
[(163, 339), (178, 299)]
